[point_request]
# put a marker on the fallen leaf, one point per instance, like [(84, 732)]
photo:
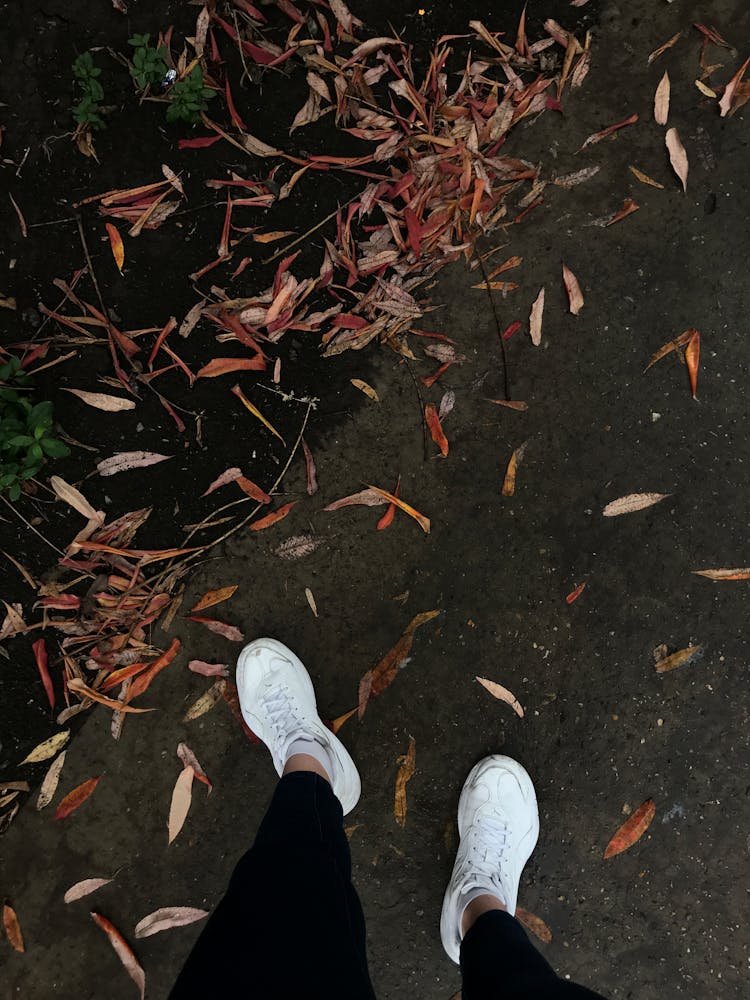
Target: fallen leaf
[(632, 502), (706, 91), (692, 360), (677, 156), (376, 680), (49, 784), (80, 687), (123, 951), (230, 632), (206, 701), (84, 888), (256, 412), (226, 477), (123, 461), (223, 366), (677, 659), (365, 498), (575, 593), (298, 546), (368, 390), (509, 482), (436, 430), (632, 829), (405, 771), (577, 177), (511, 404), (166, 918), (180, 804), (534, 924), (725, 104), (422, 521), (252, 489), (48, 748), (102, 401), (273, 518), (19, 213), (311, 601), (502, 694), (13, 928), (73, 800), (74, 498), (387, 519), (209, 669), (339, 722), (606, 132), (661, 101), (628, 207), (189, 759), (724, 574), (681, 341), (535, 319), (40, 657), (141, 683), (212, 597), (663, 48), (575, 295), (310, 470), (644, 178), (116, 244)]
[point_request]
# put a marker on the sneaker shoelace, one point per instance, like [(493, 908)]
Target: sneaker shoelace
[(283, 714), (489, 846)]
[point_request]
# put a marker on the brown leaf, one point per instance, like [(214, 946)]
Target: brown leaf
[(509, 482), (375, 681), (578, 177), (125, 460), (84, 888), (226, 477), (311, 601), (575, 295), (670, 346), (341, 719), (535, 319), (49, 784), (422, 521), (534, 924), (633, 502), (661, 101), (628, 207), (206, 701), (511, 404), (502, 694), (677, 659), (13, 928), (632, 829), (102, 401), (212, 597), (365, 498), (644, 178), (727, 99), (724, 574), (610, 130), (180, 804), (298, 546), (575, 593), (75, 499), (663, 48), (436, 429), (123, 951), (310, 471), (677, 156), (189, 759), (167, 917), (368, 390), (81, 687), (76, 798), (405, 771)]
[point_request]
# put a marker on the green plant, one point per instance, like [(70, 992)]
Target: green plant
[(187, 98), (26, 430), (86, 112), (148, 68)]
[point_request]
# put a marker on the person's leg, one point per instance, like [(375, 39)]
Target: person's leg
[(498, 824), (290, 924)]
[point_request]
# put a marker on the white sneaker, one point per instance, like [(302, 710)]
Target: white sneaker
[(498, 823), (278, 703)]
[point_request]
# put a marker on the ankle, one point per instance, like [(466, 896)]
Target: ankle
[(304, 762), (474, 909)]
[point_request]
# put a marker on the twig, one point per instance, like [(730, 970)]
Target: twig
[(31, 526), (506, 384), (421, 409), (309, 232), (239, 47), (92, 272)]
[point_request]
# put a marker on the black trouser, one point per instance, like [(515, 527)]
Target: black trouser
[(291, 925)]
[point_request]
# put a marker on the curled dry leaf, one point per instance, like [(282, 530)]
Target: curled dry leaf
[(724, 574), (50, 782), (375, 681), (405, 771), (73, 800), (47, 748), (534, 924), (644, 178), (84, 888), (677, 156), (116, 245), (661, 101), (670, 346), (692, 360), (189, 759), (230, 632), (436, 429), (182, 795), (13, 928), (628, 207), (212, 597), (575, 295), (663, 48), (206, 701), (678, 659), (123, 461), (422, 521), (535, 319), (509, 482), (103, 401), (502, 694), (209, 669), (726, 104), (632, 829), (633, 502), (166, 918), (123, 951)]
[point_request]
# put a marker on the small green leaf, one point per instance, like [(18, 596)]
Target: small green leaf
[(54, 448)]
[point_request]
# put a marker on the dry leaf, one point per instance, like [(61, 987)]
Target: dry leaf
[(123, 461), (644, 178), (509, 482), (575, 295), (436, 429), (692, 360), (725, 104), (84, 888), (575, 593), (628, 207), (75, 499), (534, 924), (502, 694), (212, 597), (180, 804), (167, 917), (661, 101), (608, 131), (13, 928), (724, 574), (311, 601), (405, 771), (677, 659), (48, 748), (670, 346), (511, 404), (40, 657), (273, 518), (577, 177), (51, 779), (73, 800), (663, 48), (206, 701), (223, 366), (632, 502), (706, 91), (677, 156), (341, 719), (422, 521), (209, 669), (375, 681), (189, 759), (102, 401), (365, 498), (123, 951), (632, 829), (116, 244), (230, 632), (535, 319)]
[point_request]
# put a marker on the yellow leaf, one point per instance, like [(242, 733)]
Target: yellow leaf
[(368, 390), (408, 763)]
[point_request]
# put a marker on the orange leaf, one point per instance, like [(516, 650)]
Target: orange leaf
[(408, 763), (677, 659), (115, 242), (628, 207), (80, 687), (212, 597), (141, 683), (13, 928), (632, 829), (253, 491), (724, 574), (509, 483), (610, 130), (339, 722), (387, 519), (575, 594), (273, 518), (692, 359), (680, 341), (76, 798), (123, 951), (118, 676), (436, 429), (575, 295), (40, 655), (222, 366), (534, 924), (422, 521), (375, 681)]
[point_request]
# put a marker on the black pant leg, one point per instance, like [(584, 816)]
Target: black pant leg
[(498, 962), (291, 924)]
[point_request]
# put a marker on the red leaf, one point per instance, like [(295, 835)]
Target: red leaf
[(223, 366), (436, 429), (249, 487), (230, 632), (575, 594), (387, 519), (273, 518), (123, 951), (76, 798), (692, 359), (201, 142), (140, 684), (312, 476), (40, 655), (632, 829)]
